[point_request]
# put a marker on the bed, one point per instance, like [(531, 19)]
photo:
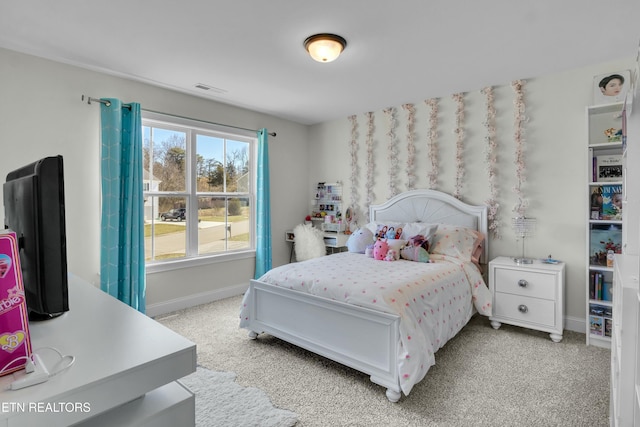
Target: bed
[(384, 318)]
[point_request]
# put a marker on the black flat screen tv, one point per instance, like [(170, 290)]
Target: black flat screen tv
[(34, 209)]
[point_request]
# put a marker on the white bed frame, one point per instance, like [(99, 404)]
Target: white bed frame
[(360, 338)]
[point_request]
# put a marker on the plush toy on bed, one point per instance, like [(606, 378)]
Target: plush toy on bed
[(369, 251), (417, 249), (359, 240), (419, 240), (380, 249), (391, 255)]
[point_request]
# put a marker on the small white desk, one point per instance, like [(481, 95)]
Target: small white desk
[(124, 374)]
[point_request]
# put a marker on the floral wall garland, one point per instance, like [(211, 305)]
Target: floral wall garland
[(459, 131), (519, 109), (411, 147), (369, 161), (491, 160), (433, 142), (354, 166), (393, 151)]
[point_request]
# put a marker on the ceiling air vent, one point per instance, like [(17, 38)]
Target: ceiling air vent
[(203, 86)]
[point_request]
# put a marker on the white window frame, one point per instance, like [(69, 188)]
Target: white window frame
[(188, 125)]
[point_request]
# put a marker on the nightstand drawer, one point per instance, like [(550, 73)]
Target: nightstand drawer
[(527, 283), (525, 309)]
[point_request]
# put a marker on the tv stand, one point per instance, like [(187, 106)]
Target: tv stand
[(38, 317), (125, 372)]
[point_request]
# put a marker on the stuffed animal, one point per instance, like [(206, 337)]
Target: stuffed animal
[(419, 241), (359, 240), (414, 253), (390, 256), (380, 249), (369, 251)]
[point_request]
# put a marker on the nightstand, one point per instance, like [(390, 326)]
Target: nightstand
[(528, 295)]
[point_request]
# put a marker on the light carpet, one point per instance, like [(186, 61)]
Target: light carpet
[(220, 401), (482, 377)]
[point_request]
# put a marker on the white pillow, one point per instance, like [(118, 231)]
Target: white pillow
[(414, 228), (375, 226), (456, 241)]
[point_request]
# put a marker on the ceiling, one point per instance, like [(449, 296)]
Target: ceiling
[(250, 52)]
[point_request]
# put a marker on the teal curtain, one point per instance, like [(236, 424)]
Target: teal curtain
[(263, 208), (122, 265)]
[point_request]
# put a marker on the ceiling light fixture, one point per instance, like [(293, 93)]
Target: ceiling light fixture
[(325, 47)]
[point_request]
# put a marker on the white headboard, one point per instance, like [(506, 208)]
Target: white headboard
[(432, 206)]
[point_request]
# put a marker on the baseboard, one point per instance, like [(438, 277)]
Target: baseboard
[(575, 324), (165, 307)]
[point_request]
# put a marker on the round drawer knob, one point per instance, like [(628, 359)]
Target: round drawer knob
[(523, 283), (523, 308)]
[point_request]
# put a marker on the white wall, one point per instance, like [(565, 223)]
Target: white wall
[(555, 144), (41, 114)]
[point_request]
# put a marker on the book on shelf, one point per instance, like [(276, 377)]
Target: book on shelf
[(596, 325), (624, 126), (605, 240), (599, 289), (606, 202), (600, 310), (608, 168), (608, 326), (607, 291)]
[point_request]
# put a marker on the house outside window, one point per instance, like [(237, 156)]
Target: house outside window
[(198, 190)]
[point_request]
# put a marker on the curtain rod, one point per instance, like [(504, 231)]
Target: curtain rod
[(102, 101), (108, 104)]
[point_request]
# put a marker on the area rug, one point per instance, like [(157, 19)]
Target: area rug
[(220, 401)]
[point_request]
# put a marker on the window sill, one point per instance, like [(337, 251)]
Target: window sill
[(160, 267)]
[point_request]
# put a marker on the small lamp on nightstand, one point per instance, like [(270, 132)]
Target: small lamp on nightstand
[(523, 227)]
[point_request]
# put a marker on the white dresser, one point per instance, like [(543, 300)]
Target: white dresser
[(125, 370), (528, 295)]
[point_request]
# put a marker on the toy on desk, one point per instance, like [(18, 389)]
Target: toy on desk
[(550, 260), (349, 217)]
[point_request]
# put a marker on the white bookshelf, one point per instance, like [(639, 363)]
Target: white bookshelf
[(604, 220)]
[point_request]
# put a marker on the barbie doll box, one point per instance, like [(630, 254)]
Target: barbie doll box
[(15, 344)]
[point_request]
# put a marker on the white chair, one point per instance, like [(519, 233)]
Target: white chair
[(308, 242)]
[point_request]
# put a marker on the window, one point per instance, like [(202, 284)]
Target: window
[(198, 189)]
